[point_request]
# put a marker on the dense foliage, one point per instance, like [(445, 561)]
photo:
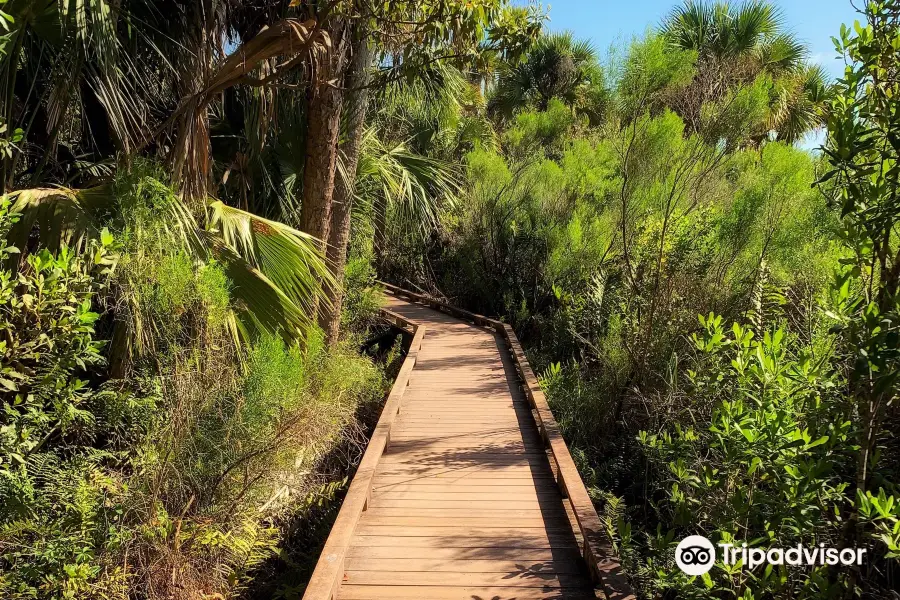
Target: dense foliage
[(153, 477), (172, 410), (200, 196)]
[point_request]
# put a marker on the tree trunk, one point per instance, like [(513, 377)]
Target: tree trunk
[(357, 100), (323, 129), (379, 241), (191, 151)]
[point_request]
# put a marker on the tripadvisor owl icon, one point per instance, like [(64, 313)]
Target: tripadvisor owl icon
[(695, 555)]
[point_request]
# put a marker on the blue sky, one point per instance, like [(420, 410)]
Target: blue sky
[(609, 21)]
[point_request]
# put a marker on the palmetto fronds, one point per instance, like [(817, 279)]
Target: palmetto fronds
[(411, 185), (277, 272), (63, 216), (423, 111), (800, 103), (289, 258), (132, 73), (720, 29), (557, 66), (782, 53), (296, 43), (735, 45)]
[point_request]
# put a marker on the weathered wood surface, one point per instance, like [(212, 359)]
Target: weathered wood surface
[(469, 498), (326, 577)]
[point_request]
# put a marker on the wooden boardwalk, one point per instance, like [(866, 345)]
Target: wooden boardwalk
[(462, 501)]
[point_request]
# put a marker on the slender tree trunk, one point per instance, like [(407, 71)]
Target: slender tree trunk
[(357, 100), (323, 129), (379, 241)]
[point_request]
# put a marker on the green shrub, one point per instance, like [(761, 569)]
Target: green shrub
[(60, 507), (167, 482), (770, 468), (362, 297)]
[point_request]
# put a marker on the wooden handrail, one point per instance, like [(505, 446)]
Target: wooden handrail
[(597, 550), (326, 578)]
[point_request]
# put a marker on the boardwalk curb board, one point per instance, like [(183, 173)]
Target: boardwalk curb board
[(329, 570)]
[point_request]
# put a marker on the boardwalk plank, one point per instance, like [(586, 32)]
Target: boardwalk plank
[(484, 545), (431, 564), (467, 554), (502, 521), (417, 578)]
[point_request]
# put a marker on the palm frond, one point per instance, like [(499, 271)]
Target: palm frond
[(815, 80), (422, 110), (413, 185), (290, 259), (92, 23), (742, 30), (800, 104), (514, 89), (690, 26), (62, 216), (293, 40), (720, 29), (277, 272), (781, 53), (557, 66), (260, 304)]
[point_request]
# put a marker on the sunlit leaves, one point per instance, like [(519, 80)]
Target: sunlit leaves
[(862, 181), (278, 272)]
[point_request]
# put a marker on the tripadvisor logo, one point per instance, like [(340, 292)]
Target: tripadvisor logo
[(695, 555)]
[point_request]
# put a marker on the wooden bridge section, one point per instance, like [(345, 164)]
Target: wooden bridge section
[(467, 490)]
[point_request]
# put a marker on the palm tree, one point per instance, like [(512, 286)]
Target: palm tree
[(557, 66), (83, 79), (239, 99), (737, 44), (137, 75), (356, 105), (324, 106), (721, 30)]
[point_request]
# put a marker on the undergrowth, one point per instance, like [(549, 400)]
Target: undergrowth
[(144, 450)]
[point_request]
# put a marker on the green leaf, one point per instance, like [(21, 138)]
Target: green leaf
[(754, 465), (818, 442), (288, 258), (63, 216)]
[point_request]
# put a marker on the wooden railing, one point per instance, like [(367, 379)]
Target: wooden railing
[(326, 579), (597, 550)]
